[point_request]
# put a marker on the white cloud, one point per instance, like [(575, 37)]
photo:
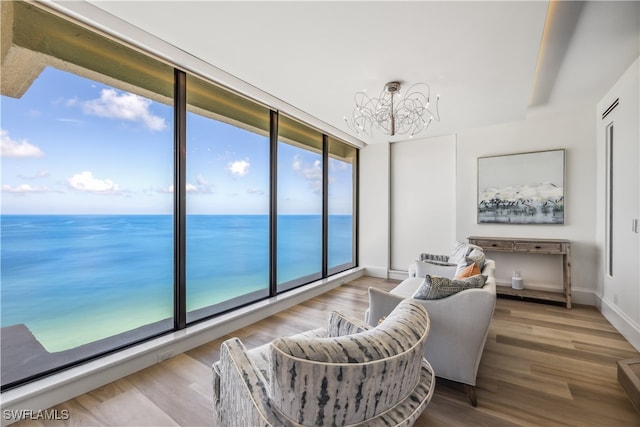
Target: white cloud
[(297, 164), (204, 186), (72, 121), (125, 106), (84, 181), (312, 174), (337, 165), (23, 188), (190, 189), (12, 148), (202, 181), (239, 167)]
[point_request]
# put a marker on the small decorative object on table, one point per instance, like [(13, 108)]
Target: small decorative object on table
[(516, 280)]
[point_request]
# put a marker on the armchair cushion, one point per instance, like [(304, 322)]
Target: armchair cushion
[(341, 324)]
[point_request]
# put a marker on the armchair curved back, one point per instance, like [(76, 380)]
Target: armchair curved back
[(352, 378)]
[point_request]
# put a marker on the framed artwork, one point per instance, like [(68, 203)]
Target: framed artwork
[(522, 188)]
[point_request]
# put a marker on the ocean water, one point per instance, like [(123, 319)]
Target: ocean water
[(74, 279)]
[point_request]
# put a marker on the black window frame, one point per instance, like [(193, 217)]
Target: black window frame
[(179, 209)]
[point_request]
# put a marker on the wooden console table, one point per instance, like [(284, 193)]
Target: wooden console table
[(532, 246)]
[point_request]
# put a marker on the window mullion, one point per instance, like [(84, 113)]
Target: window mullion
[(273, 204), (180, 138), (325, 205)]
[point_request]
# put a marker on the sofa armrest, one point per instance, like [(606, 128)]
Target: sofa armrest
[(381, 303), (413, 269)]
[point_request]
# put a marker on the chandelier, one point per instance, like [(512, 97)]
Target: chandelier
[(394, 113)]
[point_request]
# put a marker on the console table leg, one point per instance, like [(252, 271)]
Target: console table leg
[(567, 274)]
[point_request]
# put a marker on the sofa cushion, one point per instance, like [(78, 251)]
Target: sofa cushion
[(434, 287), (435, 268)]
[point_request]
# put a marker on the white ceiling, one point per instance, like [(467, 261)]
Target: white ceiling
[(483, 58)]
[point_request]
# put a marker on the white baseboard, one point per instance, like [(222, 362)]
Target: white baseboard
[(584, 297), (54, 389), (398, 274), (373, 271), (626, 326)]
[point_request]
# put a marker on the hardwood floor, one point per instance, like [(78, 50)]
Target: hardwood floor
[(543, 365)]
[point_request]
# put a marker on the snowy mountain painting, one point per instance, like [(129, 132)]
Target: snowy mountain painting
[(526, 188)]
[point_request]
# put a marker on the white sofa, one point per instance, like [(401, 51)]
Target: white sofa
[(459, 325)]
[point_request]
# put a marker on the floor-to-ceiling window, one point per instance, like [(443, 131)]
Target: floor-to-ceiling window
[(299, 213), (111, 159), (341, 205), (86, 219), (227, 225)]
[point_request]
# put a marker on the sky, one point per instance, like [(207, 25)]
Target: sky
[(71, 145)]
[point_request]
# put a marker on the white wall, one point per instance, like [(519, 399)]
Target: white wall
[(421, 169), (423, 200), (373, 229), (571, 128)]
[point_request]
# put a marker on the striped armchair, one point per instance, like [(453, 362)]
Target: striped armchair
[(347, 374)]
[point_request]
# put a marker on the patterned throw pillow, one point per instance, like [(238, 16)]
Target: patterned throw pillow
[(462, 250), (432, 257), (459, 252), (477, 256), (434, 287)]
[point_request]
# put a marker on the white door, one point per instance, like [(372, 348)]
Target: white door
[(622, 194)]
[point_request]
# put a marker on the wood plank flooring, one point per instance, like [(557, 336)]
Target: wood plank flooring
[(543, 365)]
